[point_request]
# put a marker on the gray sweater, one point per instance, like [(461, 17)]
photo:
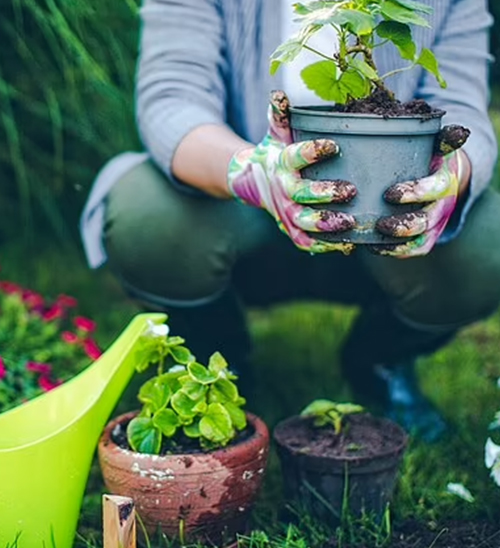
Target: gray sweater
[(206, 62)]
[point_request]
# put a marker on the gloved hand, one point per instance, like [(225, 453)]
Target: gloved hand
[(267, 176), (439, 191)]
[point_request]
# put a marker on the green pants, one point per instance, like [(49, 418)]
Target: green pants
[(175, 249)]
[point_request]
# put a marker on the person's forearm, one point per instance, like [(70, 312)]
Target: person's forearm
[(202, 158)]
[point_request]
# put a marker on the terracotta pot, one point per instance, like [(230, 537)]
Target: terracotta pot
[(318, 482), (208, 496)]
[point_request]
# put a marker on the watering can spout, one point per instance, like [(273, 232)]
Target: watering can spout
[(47, 445)]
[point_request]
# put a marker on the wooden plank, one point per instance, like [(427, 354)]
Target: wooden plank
[(119, 529)]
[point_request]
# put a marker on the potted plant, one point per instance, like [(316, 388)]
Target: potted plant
[(335, 457), (192, 459), (382, 140)]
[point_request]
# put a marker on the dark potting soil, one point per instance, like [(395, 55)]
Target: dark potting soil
[(449, 534), (382, 104), (179, 444), (362, 435)]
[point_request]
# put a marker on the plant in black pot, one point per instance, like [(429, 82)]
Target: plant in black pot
[(192, 459), (382, 140), (338, 459)]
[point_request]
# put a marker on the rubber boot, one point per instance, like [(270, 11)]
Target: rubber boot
[(378, 362)]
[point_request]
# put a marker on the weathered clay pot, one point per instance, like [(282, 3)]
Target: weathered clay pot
[(322, 482), (206, 496)]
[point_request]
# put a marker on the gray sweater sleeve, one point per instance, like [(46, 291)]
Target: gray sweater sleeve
[(180, 83), (462, 50)]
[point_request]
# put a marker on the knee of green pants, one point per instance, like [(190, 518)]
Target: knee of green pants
[(169, 243), (457, 283)]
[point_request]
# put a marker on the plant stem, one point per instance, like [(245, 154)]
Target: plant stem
[(396, 71), (317, 52)]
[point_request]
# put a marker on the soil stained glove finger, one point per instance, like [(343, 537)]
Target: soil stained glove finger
[(268, 176)]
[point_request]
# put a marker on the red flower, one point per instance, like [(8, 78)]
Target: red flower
[(53, 313), (42, 368), (84, 324), (3, 370), (47, 385), (32, 299), (66, 301), (70, 337), (9, 288), (91, 349)]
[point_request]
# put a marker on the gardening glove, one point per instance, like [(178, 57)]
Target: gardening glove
[(268, 176), (439, 193)]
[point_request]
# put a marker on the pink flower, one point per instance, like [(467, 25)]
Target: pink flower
[(70, 337), (47, 385), (3, 370), (53, 313), (91, 349), (84, 324), (32, 299), (9, 288), (66, 301), (42, 368)]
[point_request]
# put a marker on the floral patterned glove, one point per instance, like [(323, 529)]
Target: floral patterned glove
[(439, 193), (268, 176)]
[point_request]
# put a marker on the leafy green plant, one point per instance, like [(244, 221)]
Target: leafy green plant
[(329, 413), (184, 398), (361, 26)]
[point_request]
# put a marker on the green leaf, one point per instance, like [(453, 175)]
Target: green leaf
[(223, 391), (238, 416), (318, 407), (183, 405), (394, 11), (400, 35), (217, 363), (285, 53), (200, 373), (192, 430), (181, 354), (155, 394), (428, 60), (416, 6), (194, 389), (357, 22), (166, 421), (175, 341), (201, 407), (290, 49), (216, 425), (301, 9), (143, 436), (320, 77), (349, 408)]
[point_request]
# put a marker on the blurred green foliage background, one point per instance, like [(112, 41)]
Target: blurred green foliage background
[(66, 105)]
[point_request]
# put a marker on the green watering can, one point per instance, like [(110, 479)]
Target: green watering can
[(47, 445)]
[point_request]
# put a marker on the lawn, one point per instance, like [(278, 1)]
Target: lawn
[(296, 360)]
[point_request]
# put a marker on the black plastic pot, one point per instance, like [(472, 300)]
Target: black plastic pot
[(321, 484), (375, 153)]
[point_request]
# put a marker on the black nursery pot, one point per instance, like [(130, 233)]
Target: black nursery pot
[(320, 483), (375, 153)]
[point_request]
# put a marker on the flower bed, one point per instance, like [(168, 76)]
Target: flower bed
[(43, 343)]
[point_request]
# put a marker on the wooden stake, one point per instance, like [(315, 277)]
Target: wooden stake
[(118, 521)]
